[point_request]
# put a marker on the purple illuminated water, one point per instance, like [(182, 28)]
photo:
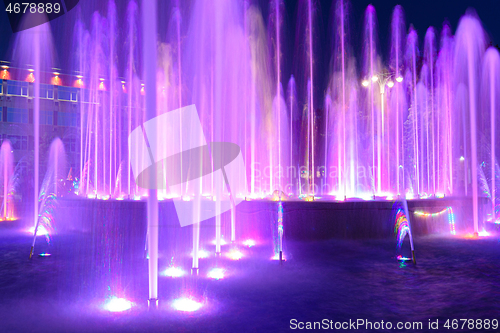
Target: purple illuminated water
[(417, 123)]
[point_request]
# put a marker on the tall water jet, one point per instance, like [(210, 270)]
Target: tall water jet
[(34, 48), (490, 95), (469, 49), (338, 95), (279, 105), (113, 133), (398, 29), (432, 128), (305, 79), (444, 97), (370, 71), (293, 115), (411, 55), (6, 172), (311, 95), (132, 33), (149, 49)]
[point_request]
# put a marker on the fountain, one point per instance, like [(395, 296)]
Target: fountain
[(417, 125), (7, 172)]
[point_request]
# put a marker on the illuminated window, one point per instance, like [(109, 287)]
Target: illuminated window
[(70, 145), (46, 91), (19, 142), (1, 86), (66, 94), (17, 88)]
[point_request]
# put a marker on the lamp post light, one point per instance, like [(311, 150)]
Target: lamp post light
[(383, 79)]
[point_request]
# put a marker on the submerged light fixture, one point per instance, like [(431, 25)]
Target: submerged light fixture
[(186, 304), (115, 304), (174, 272), (216, 273)]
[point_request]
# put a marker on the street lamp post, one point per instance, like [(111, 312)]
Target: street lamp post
[(383, 79)]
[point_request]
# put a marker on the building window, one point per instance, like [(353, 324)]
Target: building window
[(67, 119), (1, 86), (17, 88), (23, 165), (66, 94), (46, 91), (46, 117), (71, 145), (17, 115), (18, 142)]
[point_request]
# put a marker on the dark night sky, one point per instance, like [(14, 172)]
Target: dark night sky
[(420, 13)]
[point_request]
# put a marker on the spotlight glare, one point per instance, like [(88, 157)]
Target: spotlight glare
[(483, 233), (216, 273), (41, 231), (222, 242), (186, 305), (202, 254), (173, 272), (235, 255), (374, 78), (365, 83), (249, 242), (115, 304), (399, 79), (390, 84)]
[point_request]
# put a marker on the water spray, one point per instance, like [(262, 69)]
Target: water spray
[(405, 205), (280, 231)]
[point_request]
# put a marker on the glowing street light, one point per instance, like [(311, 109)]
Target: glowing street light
[(382, 79)]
